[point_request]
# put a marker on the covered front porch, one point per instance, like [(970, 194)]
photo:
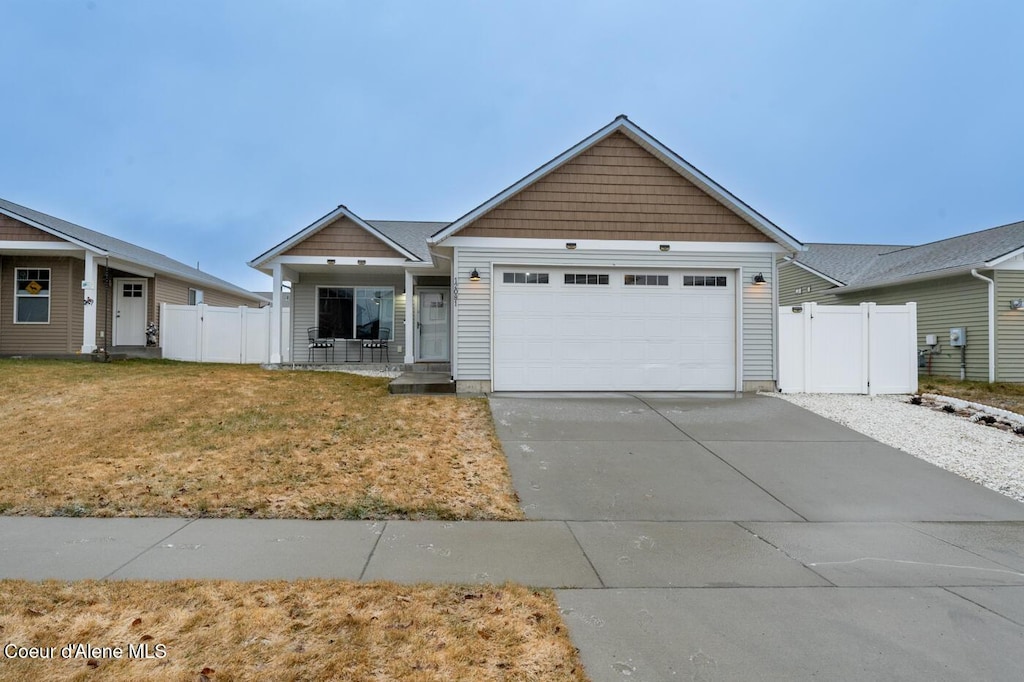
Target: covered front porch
[(367, 316)]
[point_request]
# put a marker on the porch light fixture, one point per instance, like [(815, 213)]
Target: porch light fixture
[(361, 261), (1017, 304), (331, 261), (758, 278), (664, 247), (474, 276), (570, 245)]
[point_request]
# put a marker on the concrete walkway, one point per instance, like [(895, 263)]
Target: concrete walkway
[(688, 538)]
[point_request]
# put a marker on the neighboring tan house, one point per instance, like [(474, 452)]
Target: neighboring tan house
[(54, 283), (974, 281), (615, 266)]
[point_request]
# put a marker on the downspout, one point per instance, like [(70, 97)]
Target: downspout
[(991, 323)]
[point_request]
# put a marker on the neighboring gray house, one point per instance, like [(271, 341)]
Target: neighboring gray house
[(617, 265), (975, 281), (53, 291)]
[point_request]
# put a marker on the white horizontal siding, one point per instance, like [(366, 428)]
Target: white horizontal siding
[(473, 306)]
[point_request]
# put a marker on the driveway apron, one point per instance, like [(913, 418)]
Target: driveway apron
[(742, 537)]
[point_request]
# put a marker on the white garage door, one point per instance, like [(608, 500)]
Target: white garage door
[(559, 329)]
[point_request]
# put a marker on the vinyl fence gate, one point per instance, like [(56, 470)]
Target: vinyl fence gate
[(866, 348)]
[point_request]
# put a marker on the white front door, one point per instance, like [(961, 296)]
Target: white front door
[(432, 324), (129, 312)]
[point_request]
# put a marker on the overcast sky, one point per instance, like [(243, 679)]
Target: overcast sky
[(210, 131)]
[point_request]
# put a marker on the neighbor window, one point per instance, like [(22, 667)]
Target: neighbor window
[(356, 312), (646, 280), (195, 296), (525, 278), (586, 279), (32, 295), (704, 281)]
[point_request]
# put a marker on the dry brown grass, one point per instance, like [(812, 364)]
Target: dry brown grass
[(144, 438), (1002, 395), (306, 630)]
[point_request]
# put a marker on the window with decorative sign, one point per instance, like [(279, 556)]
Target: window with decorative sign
[(32, 295)]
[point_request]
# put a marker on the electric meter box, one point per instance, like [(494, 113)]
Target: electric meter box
[(958, 337)]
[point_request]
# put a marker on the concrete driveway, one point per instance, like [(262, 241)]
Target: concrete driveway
[(746, 538)]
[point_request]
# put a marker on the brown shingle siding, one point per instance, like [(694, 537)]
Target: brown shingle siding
[(16, 231), (343, 238), (614, 190)]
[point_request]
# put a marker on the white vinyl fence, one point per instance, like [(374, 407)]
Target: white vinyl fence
[(864, 348), (202, 333)]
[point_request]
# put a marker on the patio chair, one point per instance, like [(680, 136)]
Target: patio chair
[(379, 344), (317, 340)]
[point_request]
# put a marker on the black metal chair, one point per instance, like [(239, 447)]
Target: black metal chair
[(318, 340), (379, 344)]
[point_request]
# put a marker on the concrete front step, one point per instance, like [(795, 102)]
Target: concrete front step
[(422, 383)]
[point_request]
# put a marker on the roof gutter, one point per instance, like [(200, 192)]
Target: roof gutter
[(991, 322)]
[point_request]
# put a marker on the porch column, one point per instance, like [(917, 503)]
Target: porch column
[(89, 302), (276, 315), (410, 333)]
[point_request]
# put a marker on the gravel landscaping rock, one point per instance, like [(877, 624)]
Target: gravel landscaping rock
[(990, 456)]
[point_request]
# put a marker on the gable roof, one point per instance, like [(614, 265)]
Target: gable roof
[(840, 263), (862, 266), (651, 144), (412, 234), (399, 228), (117, 248)]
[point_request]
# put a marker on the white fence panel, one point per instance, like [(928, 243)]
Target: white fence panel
[(179, 332), (848, 349), (202, 333), (893, 348)]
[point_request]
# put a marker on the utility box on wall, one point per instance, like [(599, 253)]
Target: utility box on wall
[(958, 337)]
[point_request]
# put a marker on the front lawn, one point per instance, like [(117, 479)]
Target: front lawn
[(304, 630), (1006, 396), (152, 438)]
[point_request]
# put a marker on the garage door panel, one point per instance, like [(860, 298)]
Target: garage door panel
[(613, 337)]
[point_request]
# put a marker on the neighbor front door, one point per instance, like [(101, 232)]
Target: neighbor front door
[(432, 324), (129, 312)]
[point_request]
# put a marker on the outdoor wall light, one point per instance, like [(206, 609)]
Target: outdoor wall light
[(361, 262), (664, 247), (1017, 304), (331, 261), (474, 276), (758, 278), (570, 245)]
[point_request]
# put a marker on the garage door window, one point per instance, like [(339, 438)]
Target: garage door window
[(525, 278), (586, 279), (705, 281), (646, 280)]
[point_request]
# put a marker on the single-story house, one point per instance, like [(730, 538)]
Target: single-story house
[(617, 265), (55, 277), (973, 282)]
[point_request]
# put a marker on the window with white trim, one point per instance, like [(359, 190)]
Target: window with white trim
[(195, 296), (356, 312), (646, 280), (705, 281), (525, 278), (32, 295), (585, 279)]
